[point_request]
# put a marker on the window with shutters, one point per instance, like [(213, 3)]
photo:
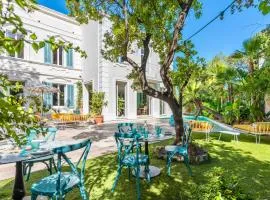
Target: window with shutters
[(59, 97), (53, 57), (47, 97)]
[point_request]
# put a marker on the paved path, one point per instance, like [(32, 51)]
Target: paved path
[(101, 136)]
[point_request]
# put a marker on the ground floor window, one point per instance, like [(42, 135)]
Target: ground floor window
[(120, 99), (162, 107), (64, 96), (59, 97), (143, 104)]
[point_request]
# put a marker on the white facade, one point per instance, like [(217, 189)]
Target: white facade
[(104, 75)]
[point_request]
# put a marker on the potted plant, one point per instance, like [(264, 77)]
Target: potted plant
[(97, 105)]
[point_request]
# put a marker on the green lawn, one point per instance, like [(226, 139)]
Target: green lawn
[(247, 160)]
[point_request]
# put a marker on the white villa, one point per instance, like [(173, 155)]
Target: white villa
[(64, 69)]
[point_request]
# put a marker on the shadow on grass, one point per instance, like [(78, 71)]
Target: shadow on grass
[(247, 160)]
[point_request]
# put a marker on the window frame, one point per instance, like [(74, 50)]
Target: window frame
[(58, 97)]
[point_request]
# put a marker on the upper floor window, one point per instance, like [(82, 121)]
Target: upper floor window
[(57, 57), (15, 36)]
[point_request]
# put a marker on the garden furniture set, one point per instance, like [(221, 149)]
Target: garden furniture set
[(130, 155)]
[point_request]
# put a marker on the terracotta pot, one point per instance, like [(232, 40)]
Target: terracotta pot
[(99, 119)]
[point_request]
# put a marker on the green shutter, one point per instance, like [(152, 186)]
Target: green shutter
[(70, 100), (70, 58), (47, 97), (47, 54)]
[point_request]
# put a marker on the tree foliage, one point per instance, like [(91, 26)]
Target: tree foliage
[(155, 25), (14, 118), (234, 88)]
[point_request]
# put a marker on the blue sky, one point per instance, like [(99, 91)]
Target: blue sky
[(221, 36)]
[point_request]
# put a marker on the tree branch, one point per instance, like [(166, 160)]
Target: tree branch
[(142, 72), (170, 55), (186, 81)]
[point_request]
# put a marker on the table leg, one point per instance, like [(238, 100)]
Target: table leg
[(18, 189), (146, 151)]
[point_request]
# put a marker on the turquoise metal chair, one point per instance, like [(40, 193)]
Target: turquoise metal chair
[(182, 150), (130, 160), (59, 184), (47, 160)]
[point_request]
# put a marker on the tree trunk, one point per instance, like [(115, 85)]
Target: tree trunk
[(178, 118), (230, 93)]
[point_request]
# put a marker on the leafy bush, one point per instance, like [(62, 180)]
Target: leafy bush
[(221, 187), (79, 99)]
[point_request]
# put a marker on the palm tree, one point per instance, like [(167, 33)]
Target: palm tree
[(254, 50), (250, 53)]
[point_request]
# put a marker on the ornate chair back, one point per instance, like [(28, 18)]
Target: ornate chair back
[(125, 148), (186, 136), (61, 154), (125, 127)]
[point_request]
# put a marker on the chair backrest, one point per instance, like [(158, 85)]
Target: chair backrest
[(187, 135), (200, 126), (125, 143), (261, 127), (158, 130), (51, 133), (125, 127), (61, 154), (32, 135)]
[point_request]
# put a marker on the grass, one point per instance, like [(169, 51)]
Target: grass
[(247, 160)]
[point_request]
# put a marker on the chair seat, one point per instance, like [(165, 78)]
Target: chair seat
[(130, 160), (47, 185), (174, 148)]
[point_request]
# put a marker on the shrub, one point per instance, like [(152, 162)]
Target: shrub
[(221, 187)]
